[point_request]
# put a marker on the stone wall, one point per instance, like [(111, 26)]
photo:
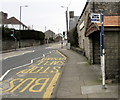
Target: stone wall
[(110, 8), (119, 55), (112, 53), (10, 44), (28, 43)]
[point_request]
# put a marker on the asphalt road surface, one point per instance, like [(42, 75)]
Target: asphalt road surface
[(36, 80), (27, 54)]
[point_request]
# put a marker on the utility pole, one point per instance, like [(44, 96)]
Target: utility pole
[(67, 24)]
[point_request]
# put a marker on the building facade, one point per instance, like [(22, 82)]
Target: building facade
[(49, 35), (89, 35), (11, 22)]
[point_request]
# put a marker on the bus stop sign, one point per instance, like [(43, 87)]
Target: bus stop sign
[(95, 17)]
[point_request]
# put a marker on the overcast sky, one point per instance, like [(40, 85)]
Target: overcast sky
[(42, 13)]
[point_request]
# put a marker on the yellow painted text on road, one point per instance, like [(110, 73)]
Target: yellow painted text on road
[(30, 84), (37, 70), (46, 60)]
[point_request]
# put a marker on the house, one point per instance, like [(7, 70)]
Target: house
[(89, 35), (49, 36), (11, 22), (58, 38)]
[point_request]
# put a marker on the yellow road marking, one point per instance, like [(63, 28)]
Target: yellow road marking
[(33, 79), (37, 83), (41, 59), (49, 90), (45, 71), (37, 71), (12, 84), (28, 85), (30, 65), (61, 54), (40, 62)]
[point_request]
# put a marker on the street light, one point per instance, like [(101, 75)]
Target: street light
[(66, 13), (20, 21), (20, 14)]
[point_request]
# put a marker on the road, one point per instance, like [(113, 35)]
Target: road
[(33, 72), (24, 56)]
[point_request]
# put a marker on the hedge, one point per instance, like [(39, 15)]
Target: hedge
[(29, 34), (22, 34)]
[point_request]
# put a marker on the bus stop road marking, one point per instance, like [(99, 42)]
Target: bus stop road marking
[(51, 86)]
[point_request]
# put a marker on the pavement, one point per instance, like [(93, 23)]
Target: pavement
[(82, 80)]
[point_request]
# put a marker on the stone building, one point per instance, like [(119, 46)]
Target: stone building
[(58, 38), (49, 35), (72, 27), (89, 35)]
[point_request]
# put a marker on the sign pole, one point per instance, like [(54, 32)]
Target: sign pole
[(102, 50)]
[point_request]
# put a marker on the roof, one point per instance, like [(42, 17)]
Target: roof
[(5, 20), (111, 21), (49, 31), (12, 20)]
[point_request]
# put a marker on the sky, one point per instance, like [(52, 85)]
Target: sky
[(42, 15)]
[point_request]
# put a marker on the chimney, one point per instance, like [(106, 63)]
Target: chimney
[(4, 15), (71, 14)]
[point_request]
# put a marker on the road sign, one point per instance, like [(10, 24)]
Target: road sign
[(95, 17)]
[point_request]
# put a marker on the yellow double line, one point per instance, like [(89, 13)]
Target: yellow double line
[(61, 54), (51, 86)]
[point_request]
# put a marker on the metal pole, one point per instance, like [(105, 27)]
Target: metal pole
[(67, 24), (102, 50), (20, 17)]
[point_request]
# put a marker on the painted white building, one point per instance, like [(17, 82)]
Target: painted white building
[(11, 22)]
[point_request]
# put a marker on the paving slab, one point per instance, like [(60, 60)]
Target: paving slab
[(82, 80), (97, 89)]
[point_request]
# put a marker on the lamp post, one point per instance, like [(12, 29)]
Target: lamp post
[(20, 14), (20, 21), (66, 13)]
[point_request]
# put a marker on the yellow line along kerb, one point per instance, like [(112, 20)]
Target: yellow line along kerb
[(50, 88), (61, 54)]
